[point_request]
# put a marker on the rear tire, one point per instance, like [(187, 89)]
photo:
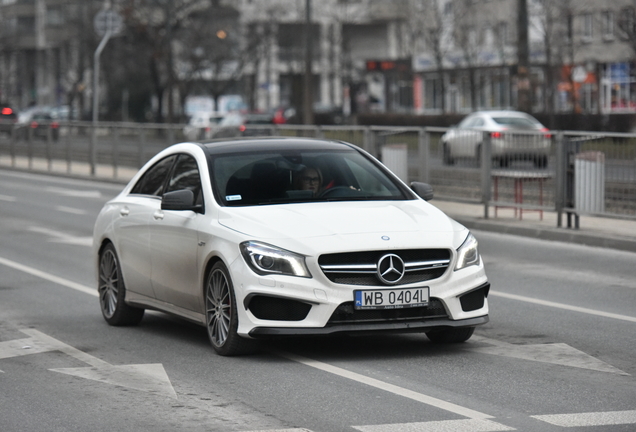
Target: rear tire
[(112, 291), (451, 335), (221, 314)]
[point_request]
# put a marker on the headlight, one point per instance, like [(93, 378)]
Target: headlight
[(266, 259), (467, 254)]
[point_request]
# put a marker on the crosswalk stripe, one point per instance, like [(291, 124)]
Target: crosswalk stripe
[(469, 425), (590, 419)]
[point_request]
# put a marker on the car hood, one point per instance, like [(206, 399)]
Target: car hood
[(362, 225)]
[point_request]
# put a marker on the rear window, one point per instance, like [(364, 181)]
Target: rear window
[(516, 122)]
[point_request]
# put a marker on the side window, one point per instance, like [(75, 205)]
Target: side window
[(478, 122), (467, 124), (186, 176), (151, 183)]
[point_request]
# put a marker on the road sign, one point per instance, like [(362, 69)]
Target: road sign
[(106, 20)]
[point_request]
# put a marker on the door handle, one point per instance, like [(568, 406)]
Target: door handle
[(124, 211), (158, 215)]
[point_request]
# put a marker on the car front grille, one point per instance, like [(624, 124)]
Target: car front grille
[(346, 314), (361, 268)]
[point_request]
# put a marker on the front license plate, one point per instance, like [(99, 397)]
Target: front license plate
[(391, 299)]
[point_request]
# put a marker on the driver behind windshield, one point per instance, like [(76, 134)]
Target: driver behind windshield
[(309, 179)]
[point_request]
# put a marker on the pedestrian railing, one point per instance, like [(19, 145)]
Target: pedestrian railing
[(572, 173)]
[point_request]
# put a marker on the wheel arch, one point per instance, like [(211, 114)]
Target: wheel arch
[(212, 260)]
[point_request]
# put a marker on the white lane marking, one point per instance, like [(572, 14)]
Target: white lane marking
[(150, 378), (589, 419), (70, 210), (60, 237), (282, 430), (554, 353), (52, 278), (7, 198), (400, 391), (75, 192), (470, 425), (563, 306)]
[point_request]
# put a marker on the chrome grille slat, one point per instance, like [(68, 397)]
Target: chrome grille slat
[(360, 268)]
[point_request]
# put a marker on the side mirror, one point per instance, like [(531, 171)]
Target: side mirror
[(424, 190), (179, 200)]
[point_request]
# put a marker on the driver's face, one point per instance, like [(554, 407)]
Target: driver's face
[(310, 180)]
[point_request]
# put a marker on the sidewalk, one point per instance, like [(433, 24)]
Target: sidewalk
[(593, 231), (605, 232)]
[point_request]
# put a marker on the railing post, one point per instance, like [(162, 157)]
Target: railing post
[(424, 150), (13, 137), (486, 172), (142, 146), (368, 142), (117, 134), (49, 156), (67, 147), (560, 177), (92, 156)]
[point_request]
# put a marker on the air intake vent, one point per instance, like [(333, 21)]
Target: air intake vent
[(278, 309)]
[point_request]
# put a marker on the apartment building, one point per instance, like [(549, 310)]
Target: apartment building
[(410, 56), (581, 57), (360, 59), (43, 46)]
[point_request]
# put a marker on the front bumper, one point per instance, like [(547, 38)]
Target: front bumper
[(285, 305), (389, 327)]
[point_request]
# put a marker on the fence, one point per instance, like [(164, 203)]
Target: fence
[(573, 173)]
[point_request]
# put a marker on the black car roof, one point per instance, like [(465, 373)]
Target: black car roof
[(273, 143)]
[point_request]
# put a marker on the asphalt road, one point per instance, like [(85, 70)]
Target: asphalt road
[(558, 354)]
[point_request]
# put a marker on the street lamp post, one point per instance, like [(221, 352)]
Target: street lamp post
[(107, 23)]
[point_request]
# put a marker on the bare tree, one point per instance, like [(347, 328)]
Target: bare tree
[(627, 24), (429, 25), (467, 38)]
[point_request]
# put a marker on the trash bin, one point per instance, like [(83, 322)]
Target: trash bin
[(589, 182), (395, 157)]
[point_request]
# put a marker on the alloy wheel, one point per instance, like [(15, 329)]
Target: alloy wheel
[(108, 283), (218, 307)]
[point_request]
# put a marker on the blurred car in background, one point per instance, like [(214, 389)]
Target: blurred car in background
[(42, 123), (202, 125), (36, 122), (514, 135)]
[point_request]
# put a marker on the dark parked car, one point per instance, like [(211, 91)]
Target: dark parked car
[(40, 124)]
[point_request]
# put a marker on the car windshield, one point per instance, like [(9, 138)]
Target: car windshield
[(516, 122), (281, 177)]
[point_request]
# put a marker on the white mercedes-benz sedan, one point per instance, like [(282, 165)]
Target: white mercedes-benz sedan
[(271, 237)]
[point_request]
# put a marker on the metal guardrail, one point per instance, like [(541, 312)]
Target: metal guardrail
[(573, 173)]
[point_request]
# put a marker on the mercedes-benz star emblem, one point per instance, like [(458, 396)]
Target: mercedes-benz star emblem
[(390, 269)]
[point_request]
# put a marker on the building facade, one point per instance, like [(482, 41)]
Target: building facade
[(404, 56)]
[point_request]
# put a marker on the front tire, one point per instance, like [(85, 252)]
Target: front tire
[(451, 335), (112, 291), (221, 314)]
